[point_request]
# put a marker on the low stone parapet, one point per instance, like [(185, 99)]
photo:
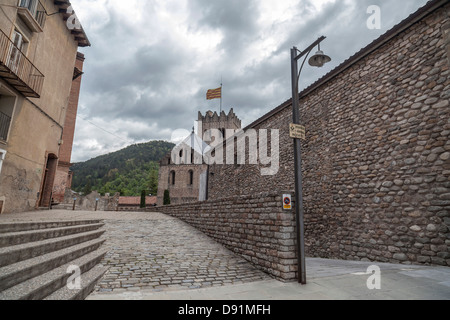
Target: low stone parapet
[(254, 226)]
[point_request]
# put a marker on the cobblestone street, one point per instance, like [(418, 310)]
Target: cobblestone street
[(162, 253)]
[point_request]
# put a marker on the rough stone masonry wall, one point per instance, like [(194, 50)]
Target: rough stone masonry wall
[(253, 226), (376, 161)]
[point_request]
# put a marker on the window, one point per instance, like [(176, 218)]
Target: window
[(17, 51), (172, 178), (191, 177), (14, 57), (33, 14), (2, 157), (5, 121), (30, 5), (7, 102)]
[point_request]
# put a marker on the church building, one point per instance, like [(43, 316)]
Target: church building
[(183, 172)]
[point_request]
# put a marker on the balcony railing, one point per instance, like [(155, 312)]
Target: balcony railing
[(5, 121), (17, 70)]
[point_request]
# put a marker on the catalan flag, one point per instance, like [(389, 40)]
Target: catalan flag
[(214, 94)]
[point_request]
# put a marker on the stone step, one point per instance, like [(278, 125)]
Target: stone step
[(16, 253), (39, 287), (28, 226), (88, 282), (15, 238), (16, 273)]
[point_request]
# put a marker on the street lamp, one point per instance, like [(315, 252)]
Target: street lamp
[(318, 60)]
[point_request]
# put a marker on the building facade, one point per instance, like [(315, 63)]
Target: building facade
[(183, 172), (38, 53)]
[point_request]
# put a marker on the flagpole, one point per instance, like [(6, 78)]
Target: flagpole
[(221, 95), (221, 92)]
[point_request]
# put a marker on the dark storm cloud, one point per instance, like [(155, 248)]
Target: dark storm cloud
[(145, 79)]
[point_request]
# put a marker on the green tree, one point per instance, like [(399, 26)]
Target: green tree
[(129, 170), (166, 197), (153, 179), (87, 188), (143, 194)]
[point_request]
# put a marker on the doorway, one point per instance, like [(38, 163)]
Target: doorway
[(49, 179)]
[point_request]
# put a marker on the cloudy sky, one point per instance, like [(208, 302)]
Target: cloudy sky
[(152, 61)]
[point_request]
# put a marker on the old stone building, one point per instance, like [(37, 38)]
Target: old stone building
[(183, 172), (38, 52), (376, 161)]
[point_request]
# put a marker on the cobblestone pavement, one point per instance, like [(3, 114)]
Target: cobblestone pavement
[(156, 252), (164, 253)]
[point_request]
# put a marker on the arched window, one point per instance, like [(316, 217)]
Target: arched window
[(191, 177)]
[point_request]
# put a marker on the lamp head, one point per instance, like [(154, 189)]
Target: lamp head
[(319, 59)]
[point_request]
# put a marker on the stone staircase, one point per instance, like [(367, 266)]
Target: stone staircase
[(37, 259)]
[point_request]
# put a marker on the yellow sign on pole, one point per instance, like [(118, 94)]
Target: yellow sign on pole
[(297, 131)]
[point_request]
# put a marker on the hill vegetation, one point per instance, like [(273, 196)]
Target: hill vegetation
[(128, 171)]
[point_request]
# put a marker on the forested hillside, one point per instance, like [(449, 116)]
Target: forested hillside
[(128, 171)]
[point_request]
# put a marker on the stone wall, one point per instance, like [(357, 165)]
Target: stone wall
[(89, 202), (253, 226), (376, 161)]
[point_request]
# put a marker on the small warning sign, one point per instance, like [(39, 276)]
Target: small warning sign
[(297, 131), (287, 202)]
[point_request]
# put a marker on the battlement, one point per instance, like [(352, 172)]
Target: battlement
[(222, 121), (212, 120)]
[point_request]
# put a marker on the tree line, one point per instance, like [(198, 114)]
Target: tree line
[(128, 171)]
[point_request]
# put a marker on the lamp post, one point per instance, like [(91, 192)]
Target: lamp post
[(318, 60)]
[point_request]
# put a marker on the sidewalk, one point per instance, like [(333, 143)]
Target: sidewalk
[(327, 280)]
